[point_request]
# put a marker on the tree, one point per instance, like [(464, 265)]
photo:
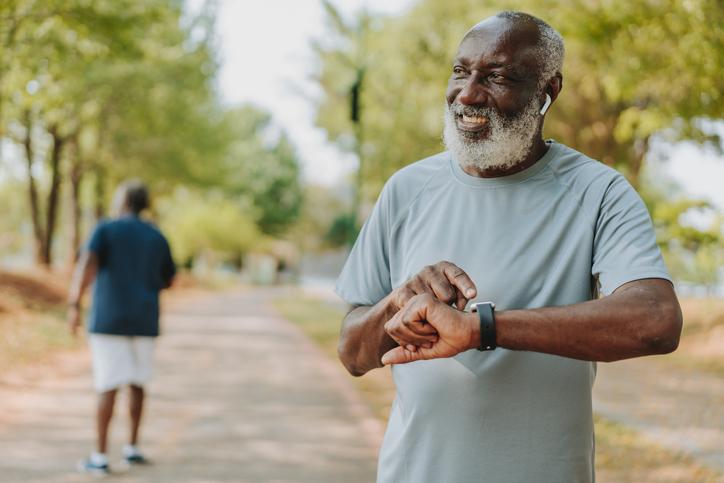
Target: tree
[(110, 88), (346, 56), (207, 225), (261, 165), (45, 48)]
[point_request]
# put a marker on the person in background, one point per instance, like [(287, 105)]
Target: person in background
[(130, 261)]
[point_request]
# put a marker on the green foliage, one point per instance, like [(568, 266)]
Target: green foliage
[(694, 254), (262, 165), (12, 222), (320, 209), (343, 231), (207, 225)]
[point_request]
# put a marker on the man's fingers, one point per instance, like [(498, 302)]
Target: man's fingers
[(460, 280), (419, 327), (461, 301), (404, 336), (442, 289), (399, 355), (404, 294)]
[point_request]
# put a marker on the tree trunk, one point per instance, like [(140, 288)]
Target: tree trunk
[(100, 193), (76, 176), (38, 234), (52, 206)]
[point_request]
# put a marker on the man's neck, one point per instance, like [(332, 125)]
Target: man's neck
[(126, 213), (538, 149)]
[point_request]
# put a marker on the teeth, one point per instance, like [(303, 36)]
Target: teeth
[(474, 119)]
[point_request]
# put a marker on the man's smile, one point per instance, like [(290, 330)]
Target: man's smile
[(471, 123)]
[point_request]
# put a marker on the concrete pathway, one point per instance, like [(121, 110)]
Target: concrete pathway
[(240, 395), (679, 409)]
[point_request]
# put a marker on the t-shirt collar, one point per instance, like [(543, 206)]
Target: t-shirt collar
[(465, 178)]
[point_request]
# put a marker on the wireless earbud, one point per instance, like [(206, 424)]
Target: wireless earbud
[(546, 105)]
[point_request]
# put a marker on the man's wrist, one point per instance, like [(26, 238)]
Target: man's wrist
[(472, 321)]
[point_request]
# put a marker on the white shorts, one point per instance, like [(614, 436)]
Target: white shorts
[(120, 360)]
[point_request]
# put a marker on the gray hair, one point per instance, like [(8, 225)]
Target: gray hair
[(550, 48)]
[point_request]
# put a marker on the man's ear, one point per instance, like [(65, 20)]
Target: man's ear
[(554, 86)]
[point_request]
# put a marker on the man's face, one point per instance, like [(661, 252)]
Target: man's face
[(493, 96)]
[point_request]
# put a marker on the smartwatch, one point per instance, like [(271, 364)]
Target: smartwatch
[(486, 314)]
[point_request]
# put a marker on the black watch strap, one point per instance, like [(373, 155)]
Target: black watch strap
[(486, 314)]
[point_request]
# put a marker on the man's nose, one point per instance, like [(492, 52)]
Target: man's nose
[(472, 93)]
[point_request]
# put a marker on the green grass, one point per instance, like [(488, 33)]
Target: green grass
[(320, 321), (622, 454)]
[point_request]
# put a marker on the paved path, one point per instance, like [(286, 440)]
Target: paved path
[(240, 395), (676, 408)]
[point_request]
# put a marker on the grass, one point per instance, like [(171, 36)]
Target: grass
[(33, 327), (31, 337), (622, 454)]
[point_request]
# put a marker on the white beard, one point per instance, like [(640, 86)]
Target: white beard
[(508, 142)]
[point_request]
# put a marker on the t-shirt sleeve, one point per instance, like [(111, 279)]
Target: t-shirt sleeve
[(365, 278), (98, 244), (624, 246)]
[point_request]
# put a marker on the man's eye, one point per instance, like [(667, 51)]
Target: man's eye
[(496, 76), (458, 71)]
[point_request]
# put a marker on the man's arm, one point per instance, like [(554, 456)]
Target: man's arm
[(640, 318), (85, 272), (363, 339), (168, 267)]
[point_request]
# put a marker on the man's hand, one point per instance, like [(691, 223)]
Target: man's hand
[(363, 339), (456, 331), (74, 319), (445, 281)]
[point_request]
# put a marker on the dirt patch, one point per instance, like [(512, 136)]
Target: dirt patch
[(701, 315), (38, 290)]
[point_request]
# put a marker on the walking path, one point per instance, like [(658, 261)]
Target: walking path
[(239, 395), (679, 409)]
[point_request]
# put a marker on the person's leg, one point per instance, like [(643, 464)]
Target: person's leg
[(142, 368), (136, 411), (104, 413)]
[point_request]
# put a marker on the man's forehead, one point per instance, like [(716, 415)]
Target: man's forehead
[(502, 40)]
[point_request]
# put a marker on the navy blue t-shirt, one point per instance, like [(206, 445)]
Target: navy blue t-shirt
[(134, 265)]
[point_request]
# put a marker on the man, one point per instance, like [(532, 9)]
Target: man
[(503, 394), (131, 263)]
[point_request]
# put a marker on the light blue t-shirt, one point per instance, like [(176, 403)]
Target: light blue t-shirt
[(554, 234)]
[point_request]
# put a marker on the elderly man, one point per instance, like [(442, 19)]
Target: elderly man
[(562, 246), (130, 261)]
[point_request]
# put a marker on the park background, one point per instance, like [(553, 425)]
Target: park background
[(265, 131)]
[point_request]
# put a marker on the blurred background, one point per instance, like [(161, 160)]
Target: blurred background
[(265, 131)]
